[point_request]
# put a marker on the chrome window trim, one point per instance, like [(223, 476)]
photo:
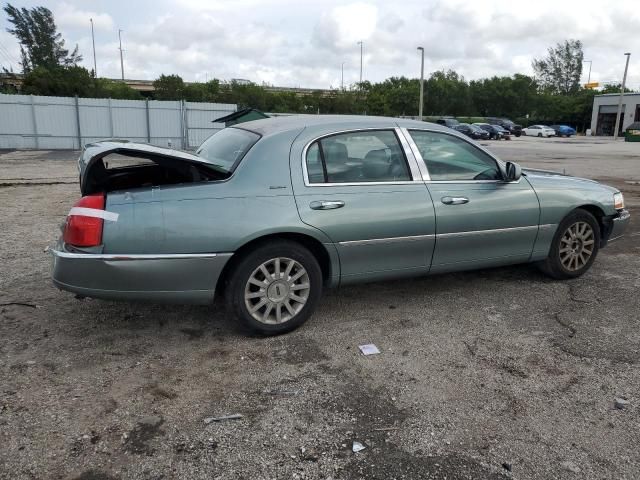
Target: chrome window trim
[(421, 161), (494, 230), (135, 256), (396, 130), (376, 241), (424, 172)]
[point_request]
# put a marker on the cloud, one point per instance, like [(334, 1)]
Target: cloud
[(293, 43), (68, 16)]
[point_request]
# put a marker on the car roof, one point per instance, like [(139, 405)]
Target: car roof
[(274, 125)]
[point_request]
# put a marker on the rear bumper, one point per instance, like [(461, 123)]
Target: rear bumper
[(180, 278), (617, 225)]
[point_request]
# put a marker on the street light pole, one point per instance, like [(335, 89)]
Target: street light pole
[(361, 50), (624, 81), (589, 76), (342, 77), (121, 61), (93, 41), (421, 84)]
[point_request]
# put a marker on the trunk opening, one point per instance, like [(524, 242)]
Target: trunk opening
[(129, 170)]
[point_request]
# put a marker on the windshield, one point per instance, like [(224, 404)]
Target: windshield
[(226, 148)]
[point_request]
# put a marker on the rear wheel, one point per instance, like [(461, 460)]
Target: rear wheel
[(574, 247), (275, 288)]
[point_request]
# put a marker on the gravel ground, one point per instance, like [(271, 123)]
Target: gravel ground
[(498, 373)]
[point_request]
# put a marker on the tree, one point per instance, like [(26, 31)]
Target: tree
[(169, 87), (41, 45), (560, 72)]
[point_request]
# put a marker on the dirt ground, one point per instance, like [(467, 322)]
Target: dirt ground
[(498, 373)]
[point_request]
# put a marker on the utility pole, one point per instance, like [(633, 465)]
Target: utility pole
[(588, 76), (361, 50), (121, 61), (93, 40), (342, 77), (421, 84), (624, 81)]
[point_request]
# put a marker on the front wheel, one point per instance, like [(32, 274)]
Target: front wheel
[(275, 288), (540, 135), (574, 247)]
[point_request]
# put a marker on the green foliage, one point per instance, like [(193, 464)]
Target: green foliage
[(169, 87), (58, 81), (70, 81), (560, 72), (41, 45), (105, 88)]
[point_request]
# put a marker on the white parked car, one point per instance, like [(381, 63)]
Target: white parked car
[(539, 131)]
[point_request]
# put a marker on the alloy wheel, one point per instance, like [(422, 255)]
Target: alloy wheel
[(576, 246), (277, 290)]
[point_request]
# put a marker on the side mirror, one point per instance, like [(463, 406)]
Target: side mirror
[(513, 171)]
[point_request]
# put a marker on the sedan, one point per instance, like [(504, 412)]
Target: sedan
[(494, 132), (563, 130), (506, 134), (539, 131), (472, 131), (269, 213)]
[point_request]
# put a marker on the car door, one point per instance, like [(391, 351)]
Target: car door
[(481, 219), (363, 189)]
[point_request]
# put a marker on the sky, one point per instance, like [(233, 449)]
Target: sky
[(304, 43)]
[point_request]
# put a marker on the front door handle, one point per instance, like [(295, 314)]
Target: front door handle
[(454, 200), (326, 204)]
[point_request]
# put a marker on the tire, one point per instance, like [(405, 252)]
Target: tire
[(283, 257), (564, 264), (540, 135)]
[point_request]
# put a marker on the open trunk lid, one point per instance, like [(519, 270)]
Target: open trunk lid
[(158, 166)]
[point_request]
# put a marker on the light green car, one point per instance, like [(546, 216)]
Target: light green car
[(271, 212)]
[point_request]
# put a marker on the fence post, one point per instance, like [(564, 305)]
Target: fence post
[(181, 111), (35, 123), (185, 141), (110, 120), (146, 103), (78, 123)]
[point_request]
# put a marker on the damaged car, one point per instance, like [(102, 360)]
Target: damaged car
[(269, 213)]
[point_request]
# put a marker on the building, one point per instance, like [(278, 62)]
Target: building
[(605, 107)]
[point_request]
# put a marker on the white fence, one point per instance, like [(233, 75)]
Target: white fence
[(28, 121)]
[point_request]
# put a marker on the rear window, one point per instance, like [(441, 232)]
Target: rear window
[(226, 148)]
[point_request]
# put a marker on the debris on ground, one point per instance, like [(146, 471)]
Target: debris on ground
[(309, 454), (235, 416), (506, 466), (18, 304), (368, 349), (570, 466), (620, 403), (357, 447)]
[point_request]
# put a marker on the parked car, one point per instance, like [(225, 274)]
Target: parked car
[(494, 133), (563, 130), (507, 124), (472, 131), (539, 131), (448, 122), (268, 213), (506, 134)]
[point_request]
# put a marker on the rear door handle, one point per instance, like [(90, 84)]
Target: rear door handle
[(326, 204), (454, 200)]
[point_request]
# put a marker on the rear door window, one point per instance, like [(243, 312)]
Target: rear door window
[(354, 157)]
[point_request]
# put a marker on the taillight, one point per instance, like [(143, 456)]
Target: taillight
[(83, 227)]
